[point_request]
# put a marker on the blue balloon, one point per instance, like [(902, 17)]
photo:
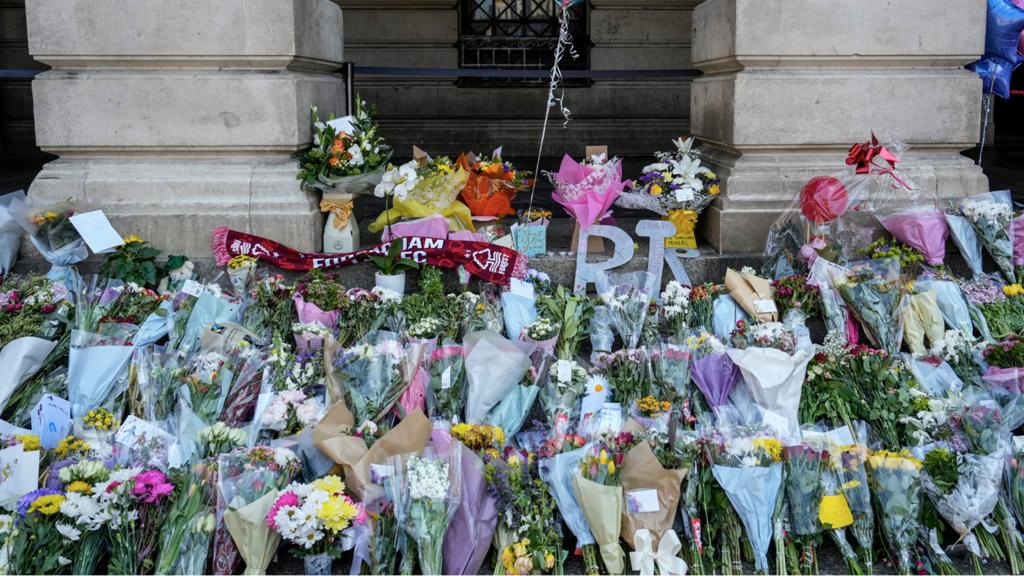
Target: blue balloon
[(1003, 29), (995, 75)]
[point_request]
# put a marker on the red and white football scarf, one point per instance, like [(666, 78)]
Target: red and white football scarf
[(489, 262)]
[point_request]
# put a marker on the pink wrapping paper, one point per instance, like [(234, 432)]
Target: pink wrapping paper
[(1008, 379), (587, 192), (1017, 232), (924, 230), (435, 226), (309, 313)]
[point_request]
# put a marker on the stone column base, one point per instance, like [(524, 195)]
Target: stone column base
[(175, 202)]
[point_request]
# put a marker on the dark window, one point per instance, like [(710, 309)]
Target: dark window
[(518, 35)]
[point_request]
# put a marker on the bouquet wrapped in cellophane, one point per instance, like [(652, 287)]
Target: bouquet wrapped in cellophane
[(896, 484), (348, 154), (423, 187), (587, 190), (492, 184)]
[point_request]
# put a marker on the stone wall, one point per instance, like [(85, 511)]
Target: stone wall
[(790, 85), (634, 117), (178, 116)]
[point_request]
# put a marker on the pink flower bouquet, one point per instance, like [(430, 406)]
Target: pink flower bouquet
[(924, 230), (587, 191)]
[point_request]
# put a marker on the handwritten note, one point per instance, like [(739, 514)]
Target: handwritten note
[(96, 230), (51, 420)]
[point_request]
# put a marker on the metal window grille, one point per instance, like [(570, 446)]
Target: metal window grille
[(518, 35)]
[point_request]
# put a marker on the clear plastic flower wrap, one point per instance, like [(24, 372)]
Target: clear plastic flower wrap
[(447, 396), (896, 485), (628, 297), (52, 234), (371, 375), (872, 291), (564, 384), (990, 214), (427, 489)]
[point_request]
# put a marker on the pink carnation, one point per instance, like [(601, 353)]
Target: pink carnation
[(286, 499), (151, 486)]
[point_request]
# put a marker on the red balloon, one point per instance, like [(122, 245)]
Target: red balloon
[(823, 199)]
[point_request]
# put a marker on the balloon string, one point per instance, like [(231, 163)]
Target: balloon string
[(555, 97), (987, 99)]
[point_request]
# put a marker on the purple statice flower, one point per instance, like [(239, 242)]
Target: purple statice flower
[(25, 501), (983, 291)]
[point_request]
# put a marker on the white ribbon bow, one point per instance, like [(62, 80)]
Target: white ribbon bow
[(667, 555)]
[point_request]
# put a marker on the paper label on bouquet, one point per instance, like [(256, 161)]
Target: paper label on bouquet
[(96, 230), (381, 472), (590, 406), (521, 288), (609, 418), (446, 378), (135, 430), (564, 368), (193, 288), (765, 306), (823, 271), (51, 420), (174, 456), (642, 501), (684, 195)]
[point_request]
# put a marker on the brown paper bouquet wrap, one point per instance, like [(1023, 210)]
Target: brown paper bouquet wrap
[(642, 471), (334, 437), (602, 507), (754, 294)]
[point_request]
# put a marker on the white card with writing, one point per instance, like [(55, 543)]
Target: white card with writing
[(521, 288), (51, 420), (823, 271), (765, 306), (193, 288), (19, 472), (642, 501), (96, 230), (135, 429), (446, 378)]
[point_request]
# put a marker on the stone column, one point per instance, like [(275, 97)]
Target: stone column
[(178, 116), (789, 85)]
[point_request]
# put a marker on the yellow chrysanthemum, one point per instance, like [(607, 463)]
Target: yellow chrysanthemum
[(47, 505), (656, 190), (79, 486), (337, 513), (132, 239), (714, 190), (771, 446), (30, 442), (330, 484), (1013, 290)]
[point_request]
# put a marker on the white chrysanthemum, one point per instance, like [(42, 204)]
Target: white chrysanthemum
[(68, 531), (428, 478), (284, 457)]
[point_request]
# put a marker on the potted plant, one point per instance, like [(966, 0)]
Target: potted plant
[(391, 268)]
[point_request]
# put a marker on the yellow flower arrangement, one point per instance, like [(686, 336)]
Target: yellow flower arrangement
[(79, 486), (479, 436), (99, 419), (517, 559), (330, 484), (901, 460), (71, 445), (47, 505), (771, 446), (337, 513), (241, 261), (29, 442), (651, 407)]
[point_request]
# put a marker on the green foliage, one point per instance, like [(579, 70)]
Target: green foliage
[(322, 289), (393, 263), (943, 468), (135, 262), (1008, 353)]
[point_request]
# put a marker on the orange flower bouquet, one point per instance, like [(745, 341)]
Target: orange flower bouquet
[(491, 186)]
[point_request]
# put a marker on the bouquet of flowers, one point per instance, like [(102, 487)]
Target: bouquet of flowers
[(542, 332), (805, 467), (313, 517), (558, 468), (566, 382), (423, 187), (268, 313), (628, 298), (136, 501), (675, 309), (186, 532), (291, 411), (920, 227), (713, 371), (872, 291), (628, 372), (990, 214), (245, 475), (652, 414), (309, 338), (447, 381), (371, 374), (495, 367), (588, 190), (651, 493), (428, 486), (896, 484), (573, 313), (319, 298), (957, 350), (749, 469), (849, 464), (672, 374), (38, 542), (677, 186), (347, 152), (492, 184), (364, 312), (964, 489), (51, 232), (599, 494)]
